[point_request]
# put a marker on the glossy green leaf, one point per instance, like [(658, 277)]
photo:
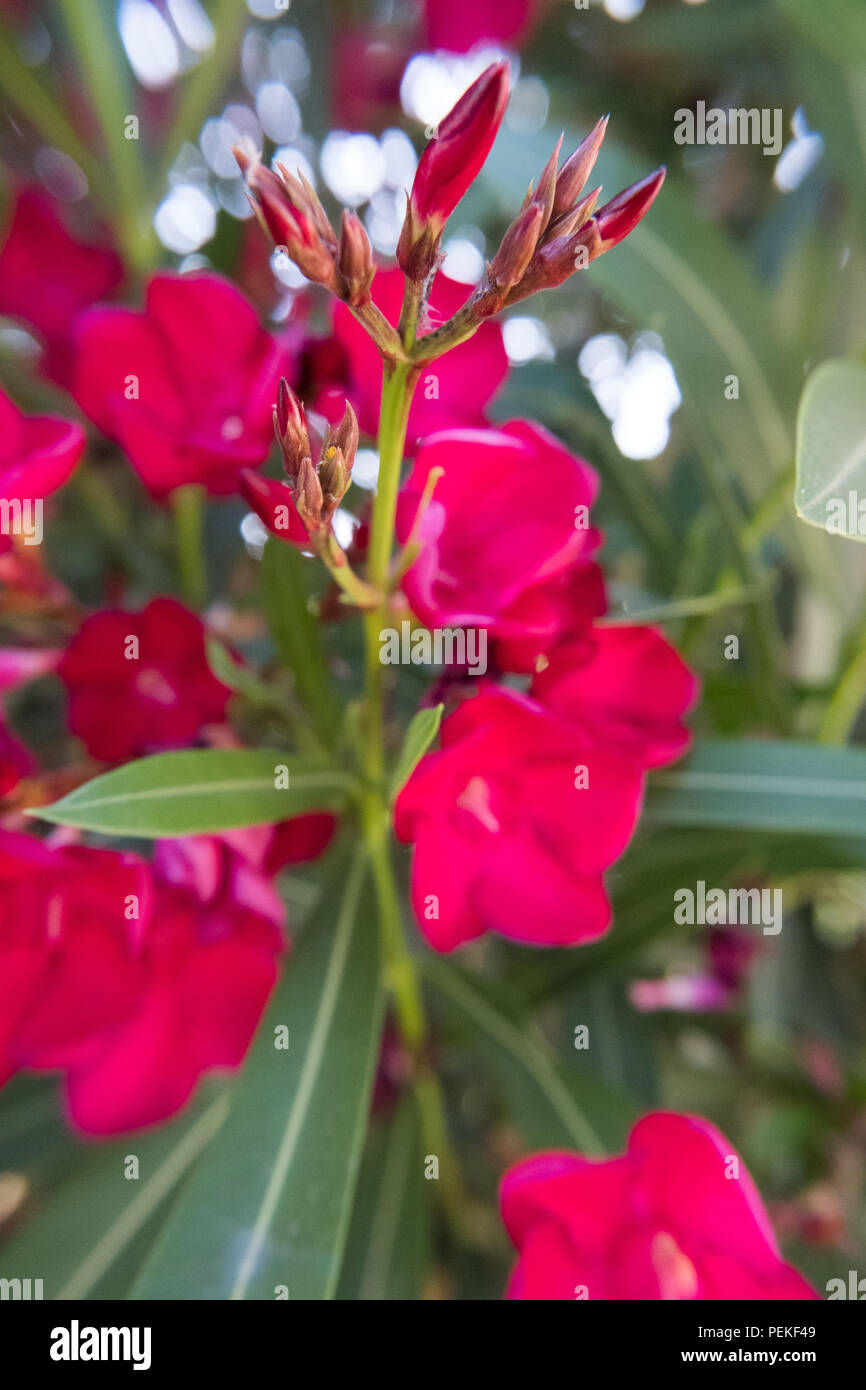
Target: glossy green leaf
[(269, 1210), (831, 449), (200, 792), (419, 736), (762, 785)]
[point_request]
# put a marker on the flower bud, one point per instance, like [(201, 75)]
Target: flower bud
[(577, 168), (309, 496), (448, 166), (293, 216), (290, 425), (622, 214), (355, 259), (338, 455)]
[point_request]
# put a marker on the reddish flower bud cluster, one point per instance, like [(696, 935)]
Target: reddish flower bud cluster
[(558, 231), (316, 490), (292, 214)]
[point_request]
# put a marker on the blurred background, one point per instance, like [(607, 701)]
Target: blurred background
[(676, 365)]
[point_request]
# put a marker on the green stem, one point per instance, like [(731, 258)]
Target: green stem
[(841, 713), (186, 503)]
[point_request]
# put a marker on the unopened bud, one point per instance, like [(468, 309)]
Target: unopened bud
[(543, 196), (577, 168), (448, 166), (308, 496), (355, 259), (518, 247), (622, 214), (347, 435), (290, 425), (293, 216)]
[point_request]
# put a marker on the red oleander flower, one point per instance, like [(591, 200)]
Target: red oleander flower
[(452, 392), (458, 27), (624, 688), (136, 979), (533, 797), (68, 969), (48, 276), (187, 386), (510, 835), (504, 534), (37, 454), (210, 947), (140, 682), (676, 1217)]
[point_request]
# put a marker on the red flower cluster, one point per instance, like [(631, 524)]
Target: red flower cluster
[(132, 978), (533, 795), (676, 1217)]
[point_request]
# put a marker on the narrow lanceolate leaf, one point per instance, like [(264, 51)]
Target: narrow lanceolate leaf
[(201, 792), (86, 1224), (419, 736), (550, 1105), (388, 1251), (758, 785), (267, 1214), (831, 449)]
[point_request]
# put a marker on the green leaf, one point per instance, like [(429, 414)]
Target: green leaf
[(831, 448), (87, 1222), (240, 679), (388, 1247), (93, 32), (270, 1207), (551, 1105), (200, 792), (762, 785), (419, 736), (296, 633)]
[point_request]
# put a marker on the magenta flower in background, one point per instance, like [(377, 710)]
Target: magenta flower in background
[(37, 453), (210, 947), (182, 411), (458, 26), (676, 1217), (454, 392), (68, 969), (140, 682), (48, 276), (135, 979)]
